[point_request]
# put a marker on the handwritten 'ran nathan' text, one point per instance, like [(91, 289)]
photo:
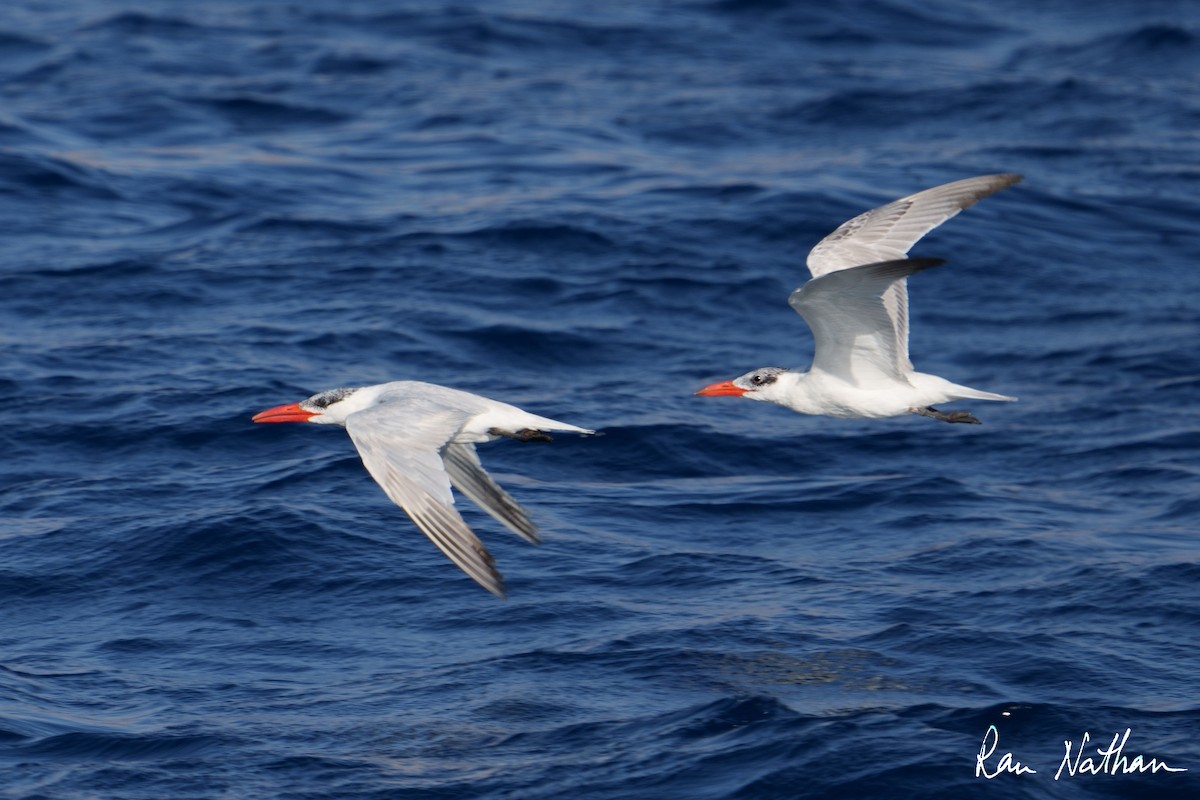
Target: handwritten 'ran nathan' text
[(1110, 760)]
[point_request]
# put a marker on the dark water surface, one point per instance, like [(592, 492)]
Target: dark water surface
[(592, 210)]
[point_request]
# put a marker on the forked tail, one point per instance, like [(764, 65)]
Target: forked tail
[(954, 391), (967, 393)]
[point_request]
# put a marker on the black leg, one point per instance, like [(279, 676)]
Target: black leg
[(953, 416)]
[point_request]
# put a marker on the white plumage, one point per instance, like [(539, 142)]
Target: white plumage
[(417, 440), (857, 307)]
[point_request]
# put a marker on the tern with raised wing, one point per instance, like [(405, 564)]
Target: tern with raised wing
[(857, 307), (417, 440)]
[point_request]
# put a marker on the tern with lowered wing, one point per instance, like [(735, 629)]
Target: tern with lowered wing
[(857, 307), (417, 440)]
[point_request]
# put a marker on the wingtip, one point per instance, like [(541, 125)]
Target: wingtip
[(919, 264), (994, 183), (1006, 179), (889, 270), (970, 191), (493, 581)]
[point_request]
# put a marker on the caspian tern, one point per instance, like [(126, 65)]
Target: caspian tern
[(417, 439), (857, 307)]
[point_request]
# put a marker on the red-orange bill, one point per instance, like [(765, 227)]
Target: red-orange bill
[(292, 412), (722, 389)]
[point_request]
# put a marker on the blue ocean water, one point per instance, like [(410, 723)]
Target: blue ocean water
[(592, 210)]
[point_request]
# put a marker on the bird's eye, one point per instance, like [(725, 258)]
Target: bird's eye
[(762, 379)]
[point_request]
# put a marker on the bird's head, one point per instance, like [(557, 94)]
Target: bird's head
[(760, 384), (330, 407)]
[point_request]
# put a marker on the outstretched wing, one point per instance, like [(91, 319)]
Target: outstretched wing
[(855, 338), (888, 232), (403, 454), (468, 476)]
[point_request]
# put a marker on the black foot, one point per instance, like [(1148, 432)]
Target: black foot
[(953, 416), (523, 435)]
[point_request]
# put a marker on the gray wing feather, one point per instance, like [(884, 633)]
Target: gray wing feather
[(404, 460), (468, 476), (853, 331), (887, 233)]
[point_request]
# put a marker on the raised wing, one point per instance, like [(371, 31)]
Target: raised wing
[(469, 477), (403, 454), (855, 338), (887, 233)]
